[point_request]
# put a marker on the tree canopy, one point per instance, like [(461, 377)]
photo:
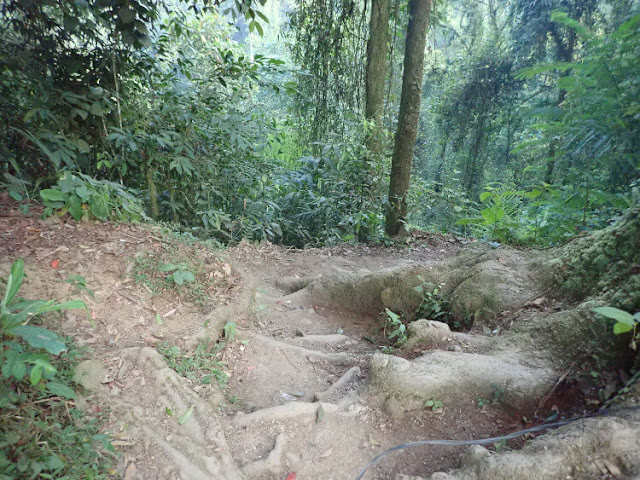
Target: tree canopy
[(250, 120)]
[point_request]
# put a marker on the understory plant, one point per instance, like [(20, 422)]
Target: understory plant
[(84, 197), (397, 329), (625, 323), (42, 434)]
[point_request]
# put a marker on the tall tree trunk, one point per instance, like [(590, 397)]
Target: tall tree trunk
[(408, 116), (376, 70)]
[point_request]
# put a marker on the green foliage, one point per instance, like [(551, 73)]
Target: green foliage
[(40, 435), (625, 322), (85, 198), (434, 305), (397, 329), (79, 282), (160, 275), (202, 365), (178, 273), (230, 331), (15, 316), (337, 196), (434, 404)]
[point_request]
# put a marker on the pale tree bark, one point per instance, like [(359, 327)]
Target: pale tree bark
[(408, 116), (376, 70)]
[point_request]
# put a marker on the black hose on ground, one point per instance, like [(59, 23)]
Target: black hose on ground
[(488, 441)]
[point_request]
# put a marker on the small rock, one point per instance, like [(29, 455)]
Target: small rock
[(457, 348), (440, 476), (131, 473), (474, 455), (299, 333), (89, 374)]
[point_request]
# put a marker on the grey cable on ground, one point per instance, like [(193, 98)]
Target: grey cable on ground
[(486, 441)]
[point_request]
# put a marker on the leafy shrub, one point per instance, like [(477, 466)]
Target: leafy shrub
[(397, 329), (434, 305), (84, 198), (178, 273), (625, 322), (41, 436), (16, 360)]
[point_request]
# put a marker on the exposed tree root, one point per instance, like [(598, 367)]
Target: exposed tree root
[(321, 340), (458, 378), (350, 375), (331, 358), (271, 464), (288, 411), (588, 449)]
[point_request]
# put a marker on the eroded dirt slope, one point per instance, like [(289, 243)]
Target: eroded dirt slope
[(302, 386)]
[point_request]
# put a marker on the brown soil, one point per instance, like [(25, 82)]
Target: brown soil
[(285, 353)]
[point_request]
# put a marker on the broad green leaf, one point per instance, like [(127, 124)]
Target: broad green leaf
[(75, 207), (99, 208), (467, 221), (167, 267), (616, 314), (36, 375), (96, 109), (51, 195), (186, 415), (392, 315), (54, 462), (619, 328), (182, 276), (485, 195), (14, 282), (61, 390), (16, 196), (83, 192), (126, 14), (259, 29), (39, 337), (492, 215), (18, 370)]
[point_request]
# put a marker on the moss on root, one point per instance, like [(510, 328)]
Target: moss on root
[(603, 265)]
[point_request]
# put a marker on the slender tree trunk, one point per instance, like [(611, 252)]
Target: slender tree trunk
[(437, 180), (565, 54), (376, 70), (153, 192), (408, 116), (471, 170)]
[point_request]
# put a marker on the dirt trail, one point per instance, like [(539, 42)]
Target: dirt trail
[(307, 390), (300, 352)]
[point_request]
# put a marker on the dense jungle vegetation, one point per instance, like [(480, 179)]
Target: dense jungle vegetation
[(276, 120)]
